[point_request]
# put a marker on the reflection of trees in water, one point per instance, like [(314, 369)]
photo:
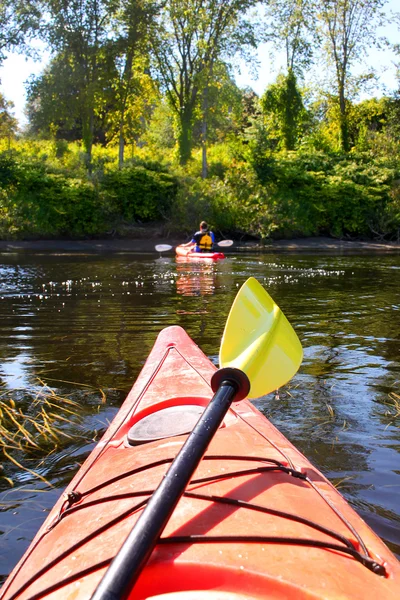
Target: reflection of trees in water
[(336, 412), (99, 331), (89, 329)]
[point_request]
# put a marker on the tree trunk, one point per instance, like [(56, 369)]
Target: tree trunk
[(204, 166), (87, 138), (125, 91), (343, 124), (121, 143), (185, 137), (292, 110)]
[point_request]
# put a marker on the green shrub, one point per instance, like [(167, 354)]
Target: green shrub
[(136, 193), (251, 188), (39, 203), (236, 204), (37, 200), (319, 193)]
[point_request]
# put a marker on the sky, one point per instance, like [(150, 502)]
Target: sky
[(16, 70)]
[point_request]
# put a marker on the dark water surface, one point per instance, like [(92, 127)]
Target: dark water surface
[(84, 325)]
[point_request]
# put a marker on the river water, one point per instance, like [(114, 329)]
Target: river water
[(80, 327)]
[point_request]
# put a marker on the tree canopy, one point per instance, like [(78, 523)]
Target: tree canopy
[(139, 101)]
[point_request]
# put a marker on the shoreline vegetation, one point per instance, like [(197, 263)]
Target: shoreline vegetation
[(268, 198), (150, 126)]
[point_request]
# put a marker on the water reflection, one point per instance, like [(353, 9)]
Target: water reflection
[(195, 279), (92, 321)]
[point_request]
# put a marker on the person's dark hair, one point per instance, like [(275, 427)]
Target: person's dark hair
[(203, 225)]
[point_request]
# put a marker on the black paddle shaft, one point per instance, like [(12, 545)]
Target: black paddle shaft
[(126, 567)]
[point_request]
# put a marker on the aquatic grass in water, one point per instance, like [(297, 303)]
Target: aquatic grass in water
[(46, 423), (394, 404), (73, 317)]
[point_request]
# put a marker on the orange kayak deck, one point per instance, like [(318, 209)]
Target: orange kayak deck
[(187, 252), (257, 520)]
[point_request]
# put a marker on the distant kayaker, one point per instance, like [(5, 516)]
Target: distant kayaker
[(203, 240)]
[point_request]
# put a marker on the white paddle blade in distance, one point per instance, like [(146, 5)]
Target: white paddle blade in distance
[(225, 243), (163, 247), (259, 340)]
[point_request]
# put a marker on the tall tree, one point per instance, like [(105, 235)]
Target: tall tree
[(349, 28), (8, 123), (54, 103), (219, 107), (80, 30), (134, 99), (291, 27), (133, 22), (191, 36), (19, 20), (283, 100)]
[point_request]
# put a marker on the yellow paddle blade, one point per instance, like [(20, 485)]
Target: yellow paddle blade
[(259, 340)]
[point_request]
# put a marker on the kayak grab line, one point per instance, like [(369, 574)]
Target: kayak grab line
[(270, 511), (347, 548), (337, 512), (72, 549), (210, 479), (251, 506), (366, 561), (139, 396), (76, 496), (376, 568), (207, 381), (233, 474), (227, 500), (266, 438), (231, 501)]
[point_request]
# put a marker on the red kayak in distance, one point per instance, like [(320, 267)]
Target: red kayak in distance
[(187, 252), (257, 520)]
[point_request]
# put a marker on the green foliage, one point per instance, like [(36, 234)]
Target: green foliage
[(191, 38), (19, 22), (235, 203), (160, 132), (367, 119), (145, 85), (291, 27), (36, 201), (252, 188), (136, 193), (8, 123), (283, 107), (349, 28), (318, 193)]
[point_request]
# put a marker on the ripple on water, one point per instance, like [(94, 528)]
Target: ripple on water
[(91, 321)]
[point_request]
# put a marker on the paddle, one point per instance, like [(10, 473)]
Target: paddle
[(166, 247), (163, 247), (257, 338)]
